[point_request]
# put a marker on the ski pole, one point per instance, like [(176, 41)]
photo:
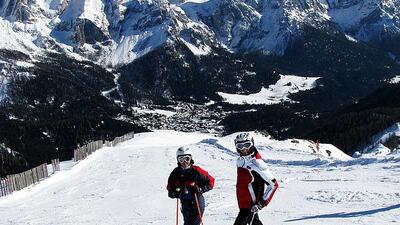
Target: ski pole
[(177, 209), (252, 218), (198, 209)]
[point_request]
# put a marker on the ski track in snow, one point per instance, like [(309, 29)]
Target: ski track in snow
[(126, 184)]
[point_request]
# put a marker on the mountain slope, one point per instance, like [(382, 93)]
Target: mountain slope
[(353, 127), (53, 105), (100, 57), (120, 185), (118, 33)]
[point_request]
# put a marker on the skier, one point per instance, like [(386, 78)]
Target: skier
[(255, 184), (188, 182)]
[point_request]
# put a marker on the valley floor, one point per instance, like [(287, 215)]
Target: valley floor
[(126, 184)]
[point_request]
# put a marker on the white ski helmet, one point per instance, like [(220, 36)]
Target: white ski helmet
[(183, 151), (244, 138)]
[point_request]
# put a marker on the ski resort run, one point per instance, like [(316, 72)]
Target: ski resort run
[(126, 184)]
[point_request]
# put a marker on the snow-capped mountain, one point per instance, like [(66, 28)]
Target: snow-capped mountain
[(63, 58), (117, 32), (370, 21), (111, 32)]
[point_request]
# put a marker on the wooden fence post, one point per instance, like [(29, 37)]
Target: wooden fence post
[(2, 190), (14, 182), (35, 175), (25, 179), (58, 164), (9, 185), (11, 181), (45, 171), (53, 166)]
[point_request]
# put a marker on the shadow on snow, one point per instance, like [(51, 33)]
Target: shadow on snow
[(348, 215), (214, 142)]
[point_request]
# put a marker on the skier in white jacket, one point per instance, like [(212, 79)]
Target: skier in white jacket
[(255, 185)]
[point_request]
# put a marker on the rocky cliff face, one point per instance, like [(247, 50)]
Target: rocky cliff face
[(15, 10), (118, 32), (373, 22)]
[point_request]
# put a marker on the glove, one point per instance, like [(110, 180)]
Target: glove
[(195, 188), (175, 193), (256, 207)]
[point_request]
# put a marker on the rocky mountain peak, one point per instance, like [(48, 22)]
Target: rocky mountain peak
[(115, 32)]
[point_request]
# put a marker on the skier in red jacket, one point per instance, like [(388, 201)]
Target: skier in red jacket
[(255, 185), (186, 182)]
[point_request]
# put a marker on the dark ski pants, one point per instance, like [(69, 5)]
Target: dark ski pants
[(244, 217), (189, 210)]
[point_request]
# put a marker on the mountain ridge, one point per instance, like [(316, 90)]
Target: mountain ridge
[(95, 29)]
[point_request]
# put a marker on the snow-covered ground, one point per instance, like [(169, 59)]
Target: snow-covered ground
[(274, 94), (395, 80), (126, 185), (376, 147), (156, 111)]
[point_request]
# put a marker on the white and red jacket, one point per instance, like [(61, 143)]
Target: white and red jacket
[(255, 183)]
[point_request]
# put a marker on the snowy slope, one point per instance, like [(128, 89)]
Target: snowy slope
[(126, 185), (274, 94), (395, 80), (11, 40), (376, 147)]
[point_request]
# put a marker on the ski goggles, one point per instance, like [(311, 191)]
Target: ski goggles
[(184, 158), (243, 146)]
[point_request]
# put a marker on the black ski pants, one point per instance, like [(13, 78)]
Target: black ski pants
[(189, 210), (244, 217)]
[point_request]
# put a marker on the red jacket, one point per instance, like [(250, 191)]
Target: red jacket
[(255, 183), (184, 179)]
